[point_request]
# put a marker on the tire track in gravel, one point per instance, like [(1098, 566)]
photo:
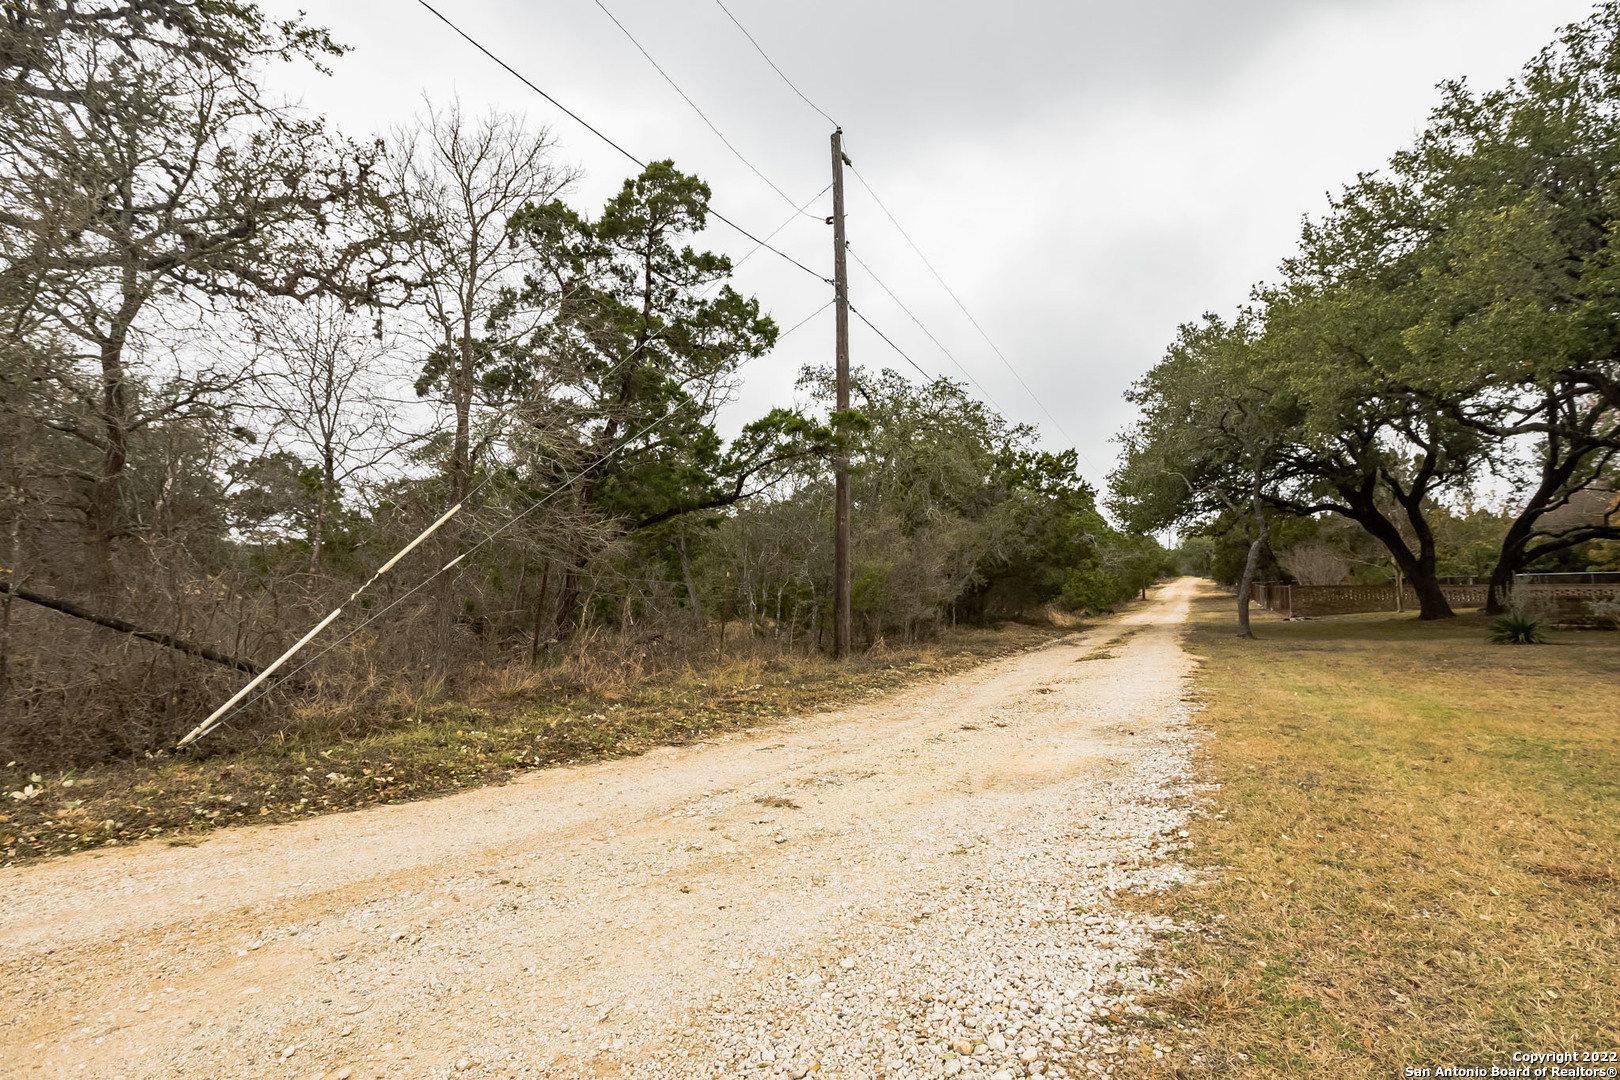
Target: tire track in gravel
[(918, 886)]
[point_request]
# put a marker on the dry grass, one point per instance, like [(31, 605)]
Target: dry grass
[(1413, 851), (423, 740)]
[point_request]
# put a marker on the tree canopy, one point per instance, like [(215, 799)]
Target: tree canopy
[(1448, 325)]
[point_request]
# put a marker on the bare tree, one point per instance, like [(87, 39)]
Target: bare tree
[(1315, 563), (319, 380), (227, 36), (139, 181), (463, 182)]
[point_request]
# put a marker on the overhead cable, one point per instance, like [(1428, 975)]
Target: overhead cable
[(948, 355), (509, 69), (958, 300), (695, 108), (857, 313), (760, 49)]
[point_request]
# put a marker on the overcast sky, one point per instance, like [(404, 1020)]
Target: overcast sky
[(1086, 175)]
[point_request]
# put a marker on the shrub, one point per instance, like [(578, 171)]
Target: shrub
[(1518, 629)]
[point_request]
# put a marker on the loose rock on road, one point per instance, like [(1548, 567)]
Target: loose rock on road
[(916, 887)]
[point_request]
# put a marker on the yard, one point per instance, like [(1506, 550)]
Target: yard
[(1412, 851)]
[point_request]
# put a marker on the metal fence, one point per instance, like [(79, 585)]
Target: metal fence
[(1565, 602), (1589, 577)]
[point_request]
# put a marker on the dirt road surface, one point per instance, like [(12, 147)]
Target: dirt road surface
[(917, 886)]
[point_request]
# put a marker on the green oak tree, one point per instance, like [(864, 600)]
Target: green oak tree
[(625, 379), (1217, 436)]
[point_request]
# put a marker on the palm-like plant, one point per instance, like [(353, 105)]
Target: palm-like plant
[(1519, 629)]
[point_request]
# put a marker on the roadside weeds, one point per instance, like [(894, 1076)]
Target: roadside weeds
[(430, 744)]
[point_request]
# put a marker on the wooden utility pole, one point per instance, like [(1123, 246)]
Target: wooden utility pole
[(841, 561)]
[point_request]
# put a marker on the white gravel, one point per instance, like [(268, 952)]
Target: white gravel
[(937, 900)]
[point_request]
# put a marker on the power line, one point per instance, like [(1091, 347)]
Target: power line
[(586, 124), (760, 49), (790, 220), (805, 98), (893, 220), (798, 209), (509, 69), (806, 319), (927, 331), (890, 343), (695, 108), (740, 156), (958, 300)]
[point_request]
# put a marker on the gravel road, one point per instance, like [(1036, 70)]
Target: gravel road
[(918, 886)]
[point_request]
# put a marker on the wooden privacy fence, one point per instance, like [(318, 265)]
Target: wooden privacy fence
[(1564, 604)]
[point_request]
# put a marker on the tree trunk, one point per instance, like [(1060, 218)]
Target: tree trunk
[(5, 649), (462, 394), (1562, 459), (317, 532), (1262, 537), (686, 574), (172, 641), (1419, 569), (539, 613), (1432, 602), (813, 633), (102, 517), (568, 591), (457, 474), (1507, 564), (13, 572)]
